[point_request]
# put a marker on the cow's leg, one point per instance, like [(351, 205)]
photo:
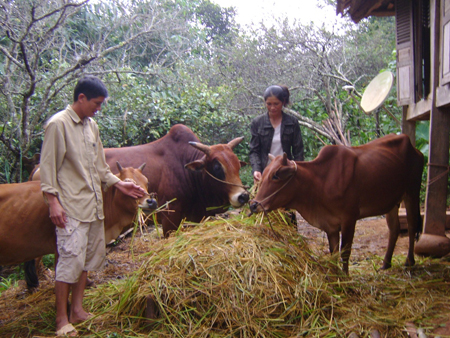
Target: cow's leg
[(348, 231), (393, 224), (170, 222), (333, 242), (412, 205)]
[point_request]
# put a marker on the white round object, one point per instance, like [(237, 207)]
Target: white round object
[(377, 91)]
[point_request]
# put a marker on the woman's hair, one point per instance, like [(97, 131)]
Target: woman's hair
[(91, 86), (280, 92)]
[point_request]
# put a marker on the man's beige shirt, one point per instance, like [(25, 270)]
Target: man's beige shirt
[(73, 165)]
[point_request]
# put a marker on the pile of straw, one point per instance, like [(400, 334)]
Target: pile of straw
[(238, 277), (227, 278)]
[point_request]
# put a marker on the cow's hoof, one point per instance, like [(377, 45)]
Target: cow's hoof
[(386, 266), (410, 262), (432, 245), (152, 310)]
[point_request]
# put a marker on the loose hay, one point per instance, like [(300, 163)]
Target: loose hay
[(232, 278)]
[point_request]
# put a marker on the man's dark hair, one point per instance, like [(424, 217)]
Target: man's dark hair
[(91, 87)]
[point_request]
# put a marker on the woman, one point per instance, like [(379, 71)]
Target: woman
[(275, 132)]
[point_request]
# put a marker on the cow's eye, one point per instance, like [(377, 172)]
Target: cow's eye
[(275, 177), (217, 170)]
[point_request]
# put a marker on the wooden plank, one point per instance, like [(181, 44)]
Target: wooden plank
[(419, 111), (443, 96), (408, 126), (436, 194)]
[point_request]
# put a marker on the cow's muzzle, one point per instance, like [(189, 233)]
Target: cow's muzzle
[(149, 205), (255, 207), (152, 203), (244, 197)]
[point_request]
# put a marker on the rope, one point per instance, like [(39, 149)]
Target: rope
[(277, 191), (438, 177), (225, 182)]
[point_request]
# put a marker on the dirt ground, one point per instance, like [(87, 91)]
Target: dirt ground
[(370, 242), (371, 238)]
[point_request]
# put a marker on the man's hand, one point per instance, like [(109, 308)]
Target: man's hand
[(57, 213), (130, 189)]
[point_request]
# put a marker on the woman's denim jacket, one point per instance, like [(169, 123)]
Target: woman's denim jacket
[(262, 135)]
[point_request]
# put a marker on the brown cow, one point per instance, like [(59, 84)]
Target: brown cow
[(202, 179), (26, 231), (344, 184)]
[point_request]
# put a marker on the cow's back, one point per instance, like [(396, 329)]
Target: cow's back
[(385, 169), (26, 230), (165, 160)]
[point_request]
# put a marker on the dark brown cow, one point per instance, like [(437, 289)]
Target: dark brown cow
[(344, 184), (26, 231), (179, 167)]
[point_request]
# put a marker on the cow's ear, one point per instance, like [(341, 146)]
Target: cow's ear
[(243, 164), (285, 172), (195, 165)]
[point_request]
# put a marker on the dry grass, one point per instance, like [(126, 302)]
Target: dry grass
[(234, 277)]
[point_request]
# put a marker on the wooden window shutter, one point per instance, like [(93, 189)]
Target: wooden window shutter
[(445, 42), (405, 52)]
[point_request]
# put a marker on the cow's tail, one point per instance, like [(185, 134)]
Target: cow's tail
[(31, 277)]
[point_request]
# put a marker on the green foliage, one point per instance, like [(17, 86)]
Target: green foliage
[(7, 283), (246, 176), (423, 137), (48, 260), (218, 22), (192, 66), (148, 111), (48, 45), (12, 279)]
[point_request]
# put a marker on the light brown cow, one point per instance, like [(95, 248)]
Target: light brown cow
[(26, 231), (344, 184)]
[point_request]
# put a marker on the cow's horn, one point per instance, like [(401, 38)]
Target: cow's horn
[(284, 159), (271, 157), (201, 147), (235, 142), (119, 166), (142, 166)]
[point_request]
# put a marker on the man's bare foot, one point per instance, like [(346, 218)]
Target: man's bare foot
[(66, 330), (80, 316)]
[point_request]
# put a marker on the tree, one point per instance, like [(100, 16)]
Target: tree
[(218, 22), (46, 45), (315, 63)]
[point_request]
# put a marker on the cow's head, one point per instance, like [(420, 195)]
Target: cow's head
[(222, 165), (146, 203), (275, 190)]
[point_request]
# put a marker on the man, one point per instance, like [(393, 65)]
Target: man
[(73, 170)]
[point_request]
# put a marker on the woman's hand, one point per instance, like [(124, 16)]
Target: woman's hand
[(256, 176)]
